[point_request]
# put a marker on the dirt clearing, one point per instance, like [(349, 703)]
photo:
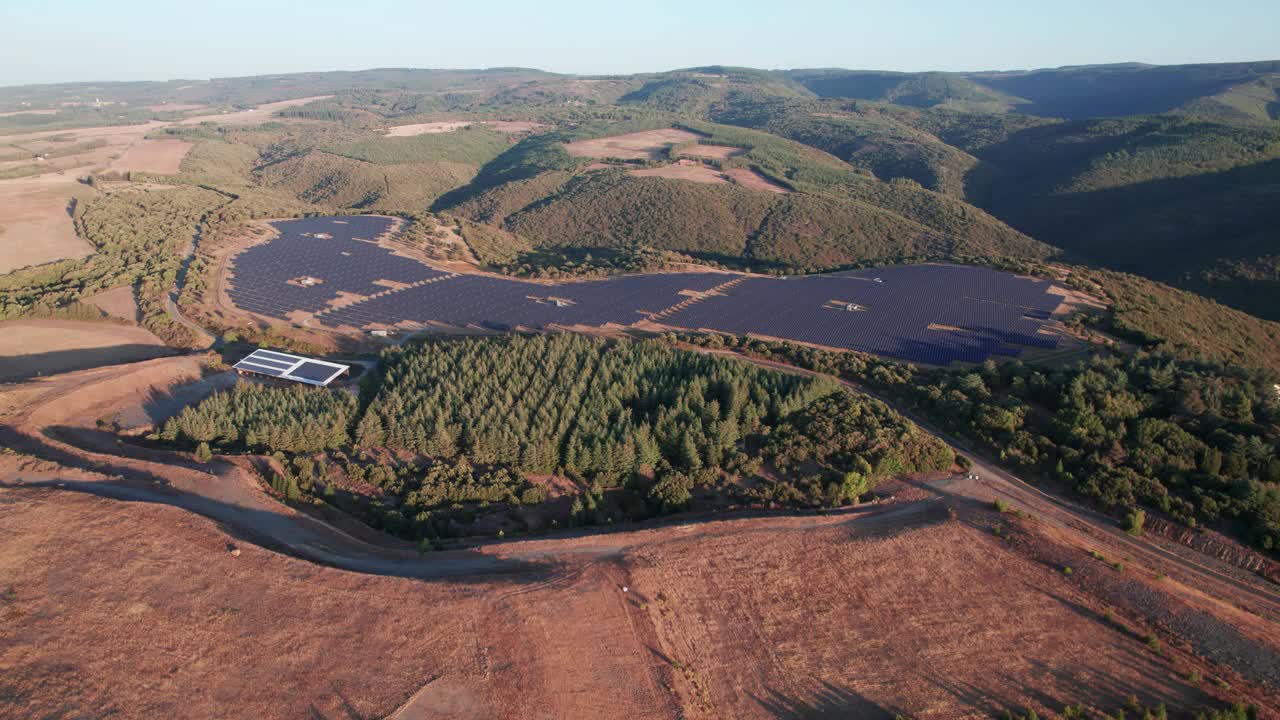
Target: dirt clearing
[(693, 173), (430, 128), (260, 114), (29, 348), (116, 302), (35, 221), (645, 145), (162, 156), (752, 180)]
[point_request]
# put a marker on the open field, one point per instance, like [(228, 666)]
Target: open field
[(117, 302), (692, 173), (427, 128), (45, 347), (644, 145), (162, 156), (752, 180), (744, 177), (260, 114), (35, 222)]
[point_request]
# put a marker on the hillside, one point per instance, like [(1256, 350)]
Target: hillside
[(833, 215), (1241, 91)]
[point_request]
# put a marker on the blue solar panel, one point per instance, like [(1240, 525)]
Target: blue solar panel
[(936, 314)]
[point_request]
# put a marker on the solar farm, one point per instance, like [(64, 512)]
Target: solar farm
[(333, 271)]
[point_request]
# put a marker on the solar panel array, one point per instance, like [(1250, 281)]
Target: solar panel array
[(935, 314), (348, 261), (503, 304), (291, 367)]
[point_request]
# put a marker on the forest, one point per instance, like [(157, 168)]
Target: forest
[(1197, 441), (641, 427)]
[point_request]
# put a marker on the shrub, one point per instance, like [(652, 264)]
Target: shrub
[(1134, 521)]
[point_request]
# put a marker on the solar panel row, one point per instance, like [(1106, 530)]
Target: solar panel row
[(936, 314)]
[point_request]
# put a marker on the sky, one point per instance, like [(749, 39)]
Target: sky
[(84, 40)]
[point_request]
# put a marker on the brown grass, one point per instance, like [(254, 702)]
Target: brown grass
[(430, 128), (45, 347), (117, 302), (161, 156), (752, 180), (260, 114), (693, 173), (36, 224), (645, 145)]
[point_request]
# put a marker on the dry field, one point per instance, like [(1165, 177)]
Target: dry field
[(645, 145), (116, 302), (714, 152), (743, 177), (33, 209), (45, 347), (35, 222), (693, 173), (744, 619), (260, 114), (430, 128), (750, 179), (163, 156), (507, 126)]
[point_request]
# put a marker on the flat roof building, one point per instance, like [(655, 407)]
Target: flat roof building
[(290, 367)]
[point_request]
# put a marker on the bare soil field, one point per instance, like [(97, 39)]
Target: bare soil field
[(430, 128), (116, 302), (36, 222), (34, 209), (29, 348), (161, 156), (752, 180), (260, 114), (715, 152), (693, 173), (645, 145)]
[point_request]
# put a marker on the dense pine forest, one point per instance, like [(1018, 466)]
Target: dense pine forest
[(641, 426)]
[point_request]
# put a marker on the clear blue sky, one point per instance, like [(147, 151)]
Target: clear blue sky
[(69, 40)]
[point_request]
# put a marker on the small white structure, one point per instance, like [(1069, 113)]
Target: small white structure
[(290, 367), (379, 333)]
